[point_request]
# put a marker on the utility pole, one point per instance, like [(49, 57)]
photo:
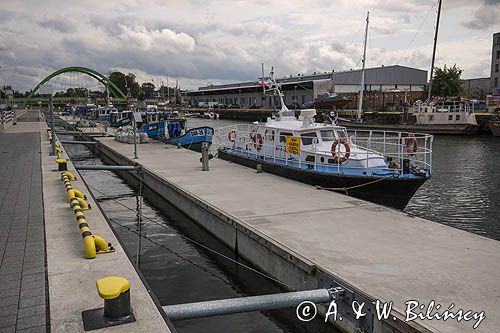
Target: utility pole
[(429, 93), (360, 104)]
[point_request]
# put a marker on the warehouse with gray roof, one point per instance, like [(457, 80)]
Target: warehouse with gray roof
[(301, 89)]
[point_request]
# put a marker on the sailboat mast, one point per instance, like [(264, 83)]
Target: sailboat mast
[(429, 94), (360, 104)]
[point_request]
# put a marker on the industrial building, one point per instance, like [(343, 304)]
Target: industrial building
[(476, 88), (304, 88)]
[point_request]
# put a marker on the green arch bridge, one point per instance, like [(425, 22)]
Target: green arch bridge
[(92, 73)]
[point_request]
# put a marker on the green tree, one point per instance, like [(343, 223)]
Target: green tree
[(118, 78), (445, 82), (148, 89), (133, 87), (126, 83)]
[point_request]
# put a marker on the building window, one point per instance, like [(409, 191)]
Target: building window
[(498, 55), (457, 117), (496, 68), (495, 82), (450, 117), (431, 117)]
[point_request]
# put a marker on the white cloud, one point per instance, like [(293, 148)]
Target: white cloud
[(225, 41)]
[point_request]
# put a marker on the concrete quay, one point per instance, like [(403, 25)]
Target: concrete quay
[(309, 238), (45, 281)]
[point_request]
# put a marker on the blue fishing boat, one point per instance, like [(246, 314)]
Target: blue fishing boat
[(174, 131)]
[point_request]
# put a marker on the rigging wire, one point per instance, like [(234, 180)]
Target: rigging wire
[(416, 33)]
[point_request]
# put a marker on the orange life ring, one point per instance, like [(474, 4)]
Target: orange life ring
[(257, 141), (338, 156), (411, 144), (232, 136)]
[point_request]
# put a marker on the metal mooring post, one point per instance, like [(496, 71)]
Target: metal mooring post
[(248, 304), (204, 156), (139, 218), (135, 139), (51, 110)]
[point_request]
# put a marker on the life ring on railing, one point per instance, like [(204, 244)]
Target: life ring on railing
[(340, 157), (232, 136), (411, 144), (257, 141)]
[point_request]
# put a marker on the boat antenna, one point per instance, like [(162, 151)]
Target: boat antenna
[(360, 104), (429, 93)]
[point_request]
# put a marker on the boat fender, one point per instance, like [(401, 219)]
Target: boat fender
[(411, 144), (338, 156), (257, 141), (232, 136)]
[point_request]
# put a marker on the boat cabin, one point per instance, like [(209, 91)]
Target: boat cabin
[(445, 113)]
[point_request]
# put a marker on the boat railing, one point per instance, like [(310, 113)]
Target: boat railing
[(403, 152)]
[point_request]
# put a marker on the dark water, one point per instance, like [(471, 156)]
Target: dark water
[(177, 269), (464, 191)]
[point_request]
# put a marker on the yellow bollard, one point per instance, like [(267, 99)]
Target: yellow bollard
[(93, 245), (89, 244), (69, 175), (61, 163), (83, 204), (102, 246)]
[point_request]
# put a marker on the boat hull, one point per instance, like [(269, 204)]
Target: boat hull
[(392, 192), (495, 129)]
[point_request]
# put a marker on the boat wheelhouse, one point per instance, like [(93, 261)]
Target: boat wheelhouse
[(104, 112), (454, 115), (120, 118), (380, 166)]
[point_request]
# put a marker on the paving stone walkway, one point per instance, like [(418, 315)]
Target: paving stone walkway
[(23, 278)]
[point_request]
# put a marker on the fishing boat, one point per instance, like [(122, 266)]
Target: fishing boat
[(104, 112), (383, 167), (120, 118), (174, 131)]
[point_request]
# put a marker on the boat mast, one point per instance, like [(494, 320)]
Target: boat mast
[(360, 104), (429, 94)]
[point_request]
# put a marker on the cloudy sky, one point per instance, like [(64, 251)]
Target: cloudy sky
[(200, 42)]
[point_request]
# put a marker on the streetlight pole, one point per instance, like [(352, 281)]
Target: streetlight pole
[(51, 110)]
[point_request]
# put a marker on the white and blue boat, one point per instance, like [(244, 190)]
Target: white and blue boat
[(380, 166)]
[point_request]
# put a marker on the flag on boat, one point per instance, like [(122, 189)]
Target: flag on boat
[(266, 82)]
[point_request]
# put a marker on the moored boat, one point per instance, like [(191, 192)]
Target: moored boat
[(383, 167), (494, 127), (174, 131)]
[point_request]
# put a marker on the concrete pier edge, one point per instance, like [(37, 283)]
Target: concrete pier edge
[(287, 266), (72, 277)]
